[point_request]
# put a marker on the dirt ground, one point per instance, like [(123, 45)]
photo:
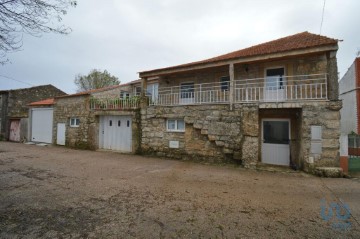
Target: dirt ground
[(56, 192)]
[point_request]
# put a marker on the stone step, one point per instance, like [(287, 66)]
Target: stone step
[(329, 172)]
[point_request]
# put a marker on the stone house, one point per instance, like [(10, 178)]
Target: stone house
[(14, 109), (349, 90), (106, 118), (273, 103)]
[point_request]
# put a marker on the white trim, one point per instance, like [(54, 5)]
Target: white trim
[(176, 125), (74, 125), (275, 119)]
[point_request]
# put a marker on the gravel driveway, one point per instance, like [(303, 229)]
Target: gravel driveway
[(56, 192)]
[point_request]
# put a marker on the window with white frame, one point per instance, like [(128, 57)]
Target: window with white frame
[(74, 122), (152, 91), (137, 90), (124, 95), (175, 125)]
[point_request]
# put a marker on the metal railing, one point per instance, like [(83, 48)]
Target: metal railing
[(269, 89), (206, 93), (279, 89), (114, 104)]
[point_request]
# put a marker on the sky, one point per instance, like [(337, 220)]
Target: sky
[(125, 37)]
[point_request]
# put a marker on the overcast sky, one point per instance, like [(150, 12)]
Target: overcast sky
[(128, 36)]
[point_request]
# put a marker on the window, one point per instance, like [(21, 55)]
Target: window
[(137, 90), (275, 78), (152, 91), (187, 90), (128, 123), (74, 122), (225, 83), (124, 95), (175, 125), (119, 123)]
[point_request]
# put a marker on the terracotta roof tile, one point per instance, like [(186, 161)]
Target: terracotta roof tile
[(43, 102), (294, 42)]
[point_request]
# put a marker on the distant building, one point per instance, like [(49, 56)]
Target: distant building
[(349, 89), (14, 110)]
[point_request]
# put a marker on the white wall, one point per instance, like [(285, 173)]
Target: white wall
[(347, 93)]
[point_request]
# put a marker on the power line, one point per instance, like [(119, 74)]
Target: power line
[(16, 80), (322, 16)]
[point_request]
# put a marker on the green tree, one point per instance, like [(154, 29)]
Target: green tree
[(34, 17), (95, 80)]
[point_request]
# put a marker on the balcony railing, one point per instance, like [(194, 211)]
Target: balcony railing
[(280, 89), (206, 93), (115, 104), (269, 89)]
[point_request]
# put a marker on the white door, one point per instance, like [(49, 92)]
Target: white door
[(276, 143), (187, 93), (116, 133), (60, 136), (42, 125), (275, 85)]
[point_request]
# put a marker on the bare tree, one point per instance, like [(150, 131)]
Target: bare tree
[(32, 17), (95, 80)]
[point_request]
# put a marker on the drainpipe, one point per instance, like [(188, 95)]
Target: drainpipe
[(231, 92)]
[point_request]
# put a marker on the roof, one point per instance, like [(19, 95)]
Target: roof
[(299, 41), (88, 92), (43, 102), (29, 88)]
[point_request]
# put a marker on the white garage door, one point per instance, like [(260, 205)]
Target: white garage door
[(116, 133), (41, 125)]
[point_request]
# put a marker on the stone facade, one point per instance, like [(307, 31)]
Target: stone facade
[(214, 133), (14, 105), (86, 135)]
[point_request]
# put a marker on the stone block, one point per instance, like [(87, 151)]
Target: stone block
[(219, 143), (249, 150), (330, 143), (332, 124), (329, 172), (211, 137)]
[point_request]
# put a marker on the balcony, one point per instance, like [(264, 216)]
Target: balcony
[(115, 104), (269, 89)]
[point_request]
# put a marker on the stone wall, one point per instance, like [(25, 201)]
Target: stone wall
[(216, 133), (76, 107), (326, 115), (305, 65), (212, 132)]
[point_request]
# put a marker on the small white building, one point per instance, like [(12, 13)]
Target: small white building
[(349, 93)]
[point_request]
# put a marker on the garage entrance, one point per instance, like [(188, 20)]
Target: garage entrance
[(115, 133), (42, 125)]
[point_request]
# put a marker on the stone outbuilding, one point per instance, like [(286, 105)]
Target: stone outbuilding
[(14, 110), (99, 119)]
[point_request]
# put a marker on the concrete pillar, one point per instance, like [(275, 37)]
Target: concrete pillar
[(232, 85), (332, 78)]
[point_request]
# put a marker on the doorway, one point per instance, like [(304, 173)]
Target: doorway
[(276, 141)]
